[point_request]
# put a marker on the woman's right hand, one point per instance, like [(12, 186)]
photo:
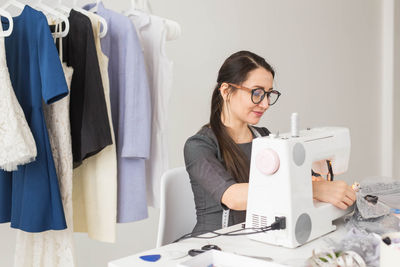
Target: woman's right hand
[(337, 193)]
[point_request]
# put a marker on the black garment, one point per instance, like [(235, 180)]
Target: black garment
[(90, 128), (209, 179)]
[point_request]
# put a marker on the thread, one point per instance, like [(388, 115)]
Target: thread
[(294, 124)]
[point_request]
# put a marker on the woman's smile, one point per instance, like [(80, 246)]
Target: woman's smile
[(258, 113)]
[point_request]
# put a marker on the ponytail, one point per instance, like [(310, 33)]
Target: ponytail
[(234, 70)]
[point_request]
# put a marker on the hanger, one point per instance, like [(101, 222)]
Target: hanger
[(173, 27), (136, 5), (7, 15), (94, 8), (62, 8), (85, 12), (51, 11), (132, 7), (13, 3), (144, 5)]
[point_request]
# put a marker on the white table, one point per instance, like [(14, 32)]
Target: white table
[(234, 244)]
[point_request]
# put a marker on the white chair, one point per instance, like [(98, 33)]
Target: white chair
[(177, 208)]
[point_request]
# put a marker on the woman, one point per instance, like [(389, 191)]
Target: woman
[(218, 157)]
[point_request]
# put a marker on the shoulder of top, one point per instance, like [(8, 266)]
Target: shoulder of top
[(78, 17), (204, 134), (38, 14), (119, 19), (125, 26), (40, 19), (207, 131), (262, 130)]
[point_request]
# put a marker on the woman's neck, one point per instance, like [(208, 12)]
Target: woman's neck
[(238, 130)]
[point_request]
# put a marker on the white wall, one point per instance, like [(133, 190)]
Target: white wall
[(387, 96), (396, 100), (327, 56)]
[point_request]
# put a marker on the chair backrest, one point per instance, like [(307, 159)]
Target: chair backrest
[(177, 208)]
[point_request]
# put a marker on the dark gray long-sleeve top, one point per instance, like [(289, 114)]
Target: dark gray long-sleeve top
[(209, 179)]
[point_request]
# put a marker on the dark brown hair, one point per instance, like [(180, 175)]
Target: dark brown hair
[(234, 70)]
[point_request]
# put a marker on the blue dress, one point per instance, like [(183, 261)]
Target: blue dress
[(30, 197)]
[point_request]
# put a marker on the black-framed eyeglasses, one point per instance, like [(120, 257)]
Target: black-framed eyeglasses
[(258, 94)]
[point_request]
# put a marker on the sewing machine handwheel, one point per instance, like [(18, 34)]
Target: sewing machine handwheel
[(267, 161)]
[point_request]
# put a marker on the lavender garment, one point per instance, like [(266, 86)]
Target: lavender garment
[(131, 112)]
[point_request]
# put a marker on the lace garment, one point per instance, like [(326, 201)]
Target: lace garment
[(17, 145)]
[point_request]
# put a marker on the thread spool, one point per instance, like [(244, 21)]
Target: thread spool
[(294, 124)]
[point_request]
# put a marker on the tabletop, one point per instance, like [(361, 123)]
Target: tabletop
[(174, 253)]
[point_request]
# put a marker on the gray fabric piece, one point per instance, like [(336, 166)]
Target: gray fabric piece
[(387, 192), (380, 225), (376, 218), (209, 179)]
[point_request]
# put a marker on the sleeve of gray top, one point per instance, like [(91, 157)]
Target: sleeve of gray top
[(203, 166)]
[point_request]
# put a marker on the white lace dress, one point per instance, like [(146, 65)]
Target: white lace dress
[(54, 248), (17, 145)]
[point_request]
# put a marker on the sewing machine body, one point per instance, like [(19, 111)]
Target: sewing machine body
[(280, 184)]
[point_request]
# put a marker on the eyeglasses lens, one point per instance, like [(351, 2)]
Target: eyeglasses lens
[(272, 97), (259, 94)]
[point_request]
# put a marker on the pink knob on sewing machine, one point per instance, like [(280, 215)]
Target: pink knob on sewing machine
[(267, 161)]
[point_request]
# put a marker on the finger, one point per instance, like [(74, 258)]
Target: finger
[(317, 178), (341, 205), (351, 194), (348, 201)]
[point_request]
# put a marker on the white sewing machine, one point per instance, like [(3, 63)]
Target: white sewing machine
[(280, 183)]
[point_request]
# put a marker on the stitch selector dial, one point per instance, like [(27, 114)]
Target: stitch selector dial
[(267, 161)]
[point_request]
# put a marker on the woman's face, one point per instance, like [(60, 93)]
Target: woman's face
[(240, 106)]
